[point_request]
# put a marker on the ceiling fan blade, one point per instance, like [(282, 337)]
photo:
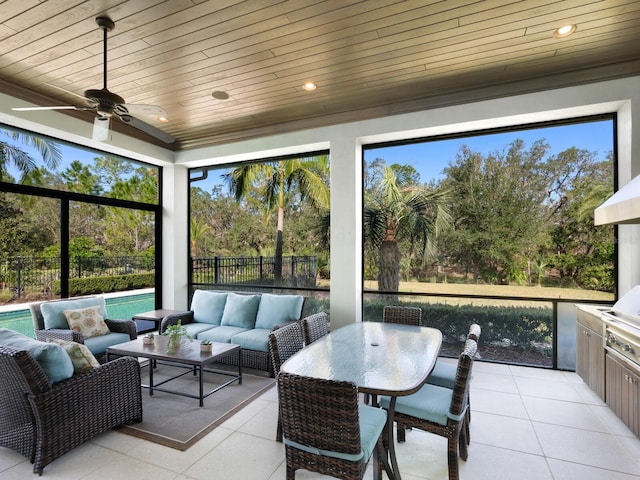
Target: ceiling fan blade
[(142, 109), (59, 107), (150, 129), (67, 91), (101, 128)]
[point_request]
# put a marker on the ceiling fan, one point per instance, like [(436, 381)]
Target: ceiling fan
[(107, 104)]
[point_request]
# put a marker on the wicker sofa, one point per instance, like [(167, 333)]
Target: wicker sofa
[(43, 420), (49, 322), (245, 319)]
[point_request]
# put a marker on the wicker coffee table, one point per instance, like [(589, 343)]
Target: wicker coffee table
[(188, 356)]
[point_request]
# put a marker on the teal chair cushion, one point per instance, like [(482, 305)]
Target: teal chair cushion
[(53, 312), (430, 403), (371, 420), (240, 310), (221, 334), (53, 359), (99, 344), (443, 374), (256, 339), (207, 307), (278, 309)]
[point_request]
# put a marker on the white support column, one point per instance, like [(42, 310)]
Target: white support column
[(346, 231), (175, 236)]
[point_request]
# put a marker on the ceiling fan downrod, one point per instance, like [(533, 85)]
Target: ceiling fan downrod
[(106, 24)]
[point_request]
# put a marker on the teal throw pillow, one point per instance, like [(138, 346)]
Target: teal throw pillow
[(53, 359), (207, 307), (240, 310), (53, 312), (278, 309)]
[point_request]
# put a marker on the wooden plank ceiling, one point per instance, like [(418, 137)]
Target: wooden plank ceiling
[(368, 58)]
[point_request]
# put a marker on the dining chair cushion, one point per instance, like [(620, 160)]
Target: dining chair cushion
[(443, 374), (372, 421), (240, 310), (430, 403), (53, 312), (207, 307), (278, 309), (52, 358)]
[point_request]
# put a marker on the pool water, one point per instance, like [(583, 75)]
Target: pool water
[(117, 307)]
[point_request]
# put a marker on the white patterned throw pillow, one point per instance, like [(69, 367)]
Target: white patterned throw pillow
[(87, 321), (81, 357)]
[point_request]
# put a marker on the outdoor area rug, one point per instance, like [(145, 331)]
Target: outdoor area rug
[(178, 422)]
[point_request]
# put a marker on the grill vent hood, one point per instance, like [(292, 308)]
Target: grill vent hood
[(622, 207)]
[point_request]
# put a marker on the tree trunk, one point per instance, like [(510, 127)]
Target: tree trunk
[(389, 267), (278, 257)]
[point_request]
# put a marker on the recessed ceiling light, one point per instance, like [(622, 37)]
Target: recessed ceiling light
[(220, 95), (162, 119), (565, 31), (309, 86)]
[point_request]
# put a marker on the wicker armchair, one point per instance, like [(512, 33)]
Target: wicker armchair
[(127, 327), (283, 343), (403, 315), (43, 421), (314, 327), (441, 410), (321, 424)]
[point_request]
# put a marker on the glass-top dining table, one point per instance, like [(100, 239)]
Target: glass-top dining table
[(380, 358)]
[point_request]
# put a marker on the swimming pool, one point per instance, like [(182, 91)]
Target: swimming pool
[(117, 307)]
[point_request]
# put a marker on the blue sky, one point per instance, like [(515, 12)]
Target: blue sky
[(430, 159)]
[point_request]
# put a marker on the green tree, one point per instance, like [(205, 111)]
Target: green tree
[(499, 203), (397, 208), (274, 183), (22, 160)]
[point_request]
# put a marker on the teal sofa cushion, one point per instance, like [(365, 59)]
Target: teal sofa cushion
[(256, 339), (99, 345), (240, 310), (278, 309), (207, 307), (221, 334), (53, 312), (53, 359), (194, 329)]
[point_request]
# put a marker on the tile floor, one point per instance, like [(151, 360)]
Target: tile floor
[(526, 424)]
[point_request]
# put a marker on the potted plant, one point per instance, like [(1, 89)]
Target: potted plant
[(175, 334), (149, 339), (205, 345)]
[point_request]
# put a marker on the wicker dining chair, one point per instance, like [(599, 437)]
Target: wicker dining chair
[(325, 429), (314, 327), (403, 315), (283, 343), (444, 374), (441, 411)]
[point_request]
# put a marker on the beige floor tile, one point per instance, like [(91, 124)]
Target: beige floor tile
[(500, 403), (555, 389), (493, 381), (600, 450), (490, 463), (504, 432), (558, 412), (572, 471)]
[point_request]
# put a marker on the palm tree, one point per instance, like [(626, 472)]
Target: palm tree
[(397, 210), (22, 160), (272, 182), (198, 229)]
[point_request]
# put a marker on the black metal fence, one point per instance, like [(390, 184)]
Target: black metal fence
[(297, 271), (37, 274)]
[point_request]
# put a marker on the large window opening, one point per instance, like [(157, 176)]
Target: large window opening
[(494, 227), (75, 221), (262, 226)]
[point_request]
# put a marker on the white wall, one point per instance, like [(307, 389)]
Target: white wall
[(345, 141)]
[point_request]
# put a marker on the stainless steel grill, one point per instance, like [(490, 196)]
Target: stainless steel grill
[(622, 326)]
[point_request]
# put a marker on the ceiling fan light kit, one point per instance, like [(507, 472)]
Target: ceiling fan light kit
[(107, 104)]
